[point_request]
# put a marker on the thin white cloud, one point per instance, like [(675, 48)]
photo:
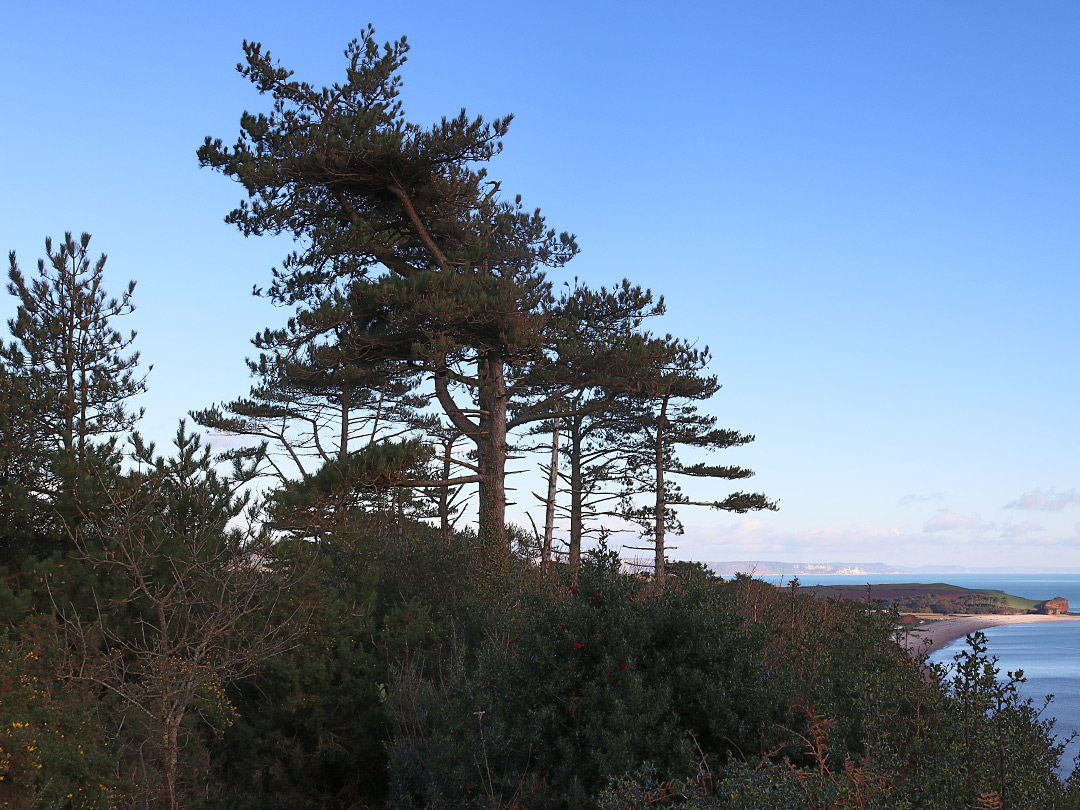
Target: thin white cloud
[(945, 521), (227, 441), (751, 538), (915, 497), (1051, 501), (1021, 531), (969, 541)]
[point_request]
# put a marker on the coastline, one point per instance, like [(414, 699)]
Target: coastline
[(936, 633)]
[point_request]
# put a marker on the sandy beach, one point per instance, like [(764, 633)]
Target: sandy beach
[(939, 632)]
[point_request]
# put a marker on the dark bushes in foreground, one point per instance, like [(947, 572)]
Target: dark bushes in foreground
[(584, 681), (597, 692), (423, 680)]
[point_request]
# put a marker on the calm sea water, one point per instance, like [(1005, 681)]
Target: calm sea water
[(1048, 654)]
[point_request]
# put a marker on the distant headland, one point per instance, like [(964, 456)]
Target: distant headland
[(941, 598), (773, 568), (907, 597), (769, 568)]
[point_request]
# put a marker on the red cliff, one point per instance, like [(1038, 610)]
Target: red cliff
[(1055, 606)]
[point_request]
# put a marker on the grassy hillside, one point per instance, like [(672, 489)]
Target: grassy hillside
[(936, 597)]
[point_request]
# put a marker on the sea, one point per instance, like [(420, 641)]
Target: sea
[(1048, 654)]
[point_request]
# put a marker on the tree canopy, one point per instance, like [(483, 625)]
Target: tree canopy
[(405, 240), (414, 266)]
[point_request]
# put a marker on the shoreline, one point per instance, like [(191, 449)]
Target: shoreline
[(938, 632)]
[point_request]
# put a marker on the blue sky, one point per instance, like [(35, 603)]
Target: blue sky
[(868, 211)]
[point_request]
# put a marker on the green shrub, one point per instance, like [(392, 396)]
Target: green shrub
[(981, 746), (312, 729), (53, 747), (595, 680)]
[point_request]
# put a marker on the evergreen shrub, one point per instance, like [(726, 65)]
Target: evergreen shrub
[(593, 680)]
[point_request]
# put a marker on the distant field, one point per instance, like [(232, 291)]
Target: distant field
[(937, 597)]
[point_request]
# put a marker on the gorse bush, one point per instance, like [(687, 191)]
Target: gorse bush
[(593, 677), (597, 691), (54, 751)]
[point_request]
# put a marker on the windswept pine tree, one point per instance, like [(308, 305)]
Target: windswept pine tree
[(663, 423), (405, 240), (414, 269), (596, 357)]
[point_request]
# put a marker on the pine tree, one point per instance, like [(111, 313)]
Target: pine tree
[(662, 421), (403, 236), (596, 357), (71, 366)]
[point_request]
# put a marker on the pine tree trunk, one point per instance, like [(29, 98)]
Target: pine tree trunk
[(492, 451), (549, 510), (343, 444), (444, 495), (661, 500), (343, 453), (576, 519)]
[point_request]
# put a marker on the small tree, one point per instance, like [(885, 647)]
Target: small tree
[(72, 363), (174, 606), (665, 419), (338, 425), (316, 400), (448, 500)]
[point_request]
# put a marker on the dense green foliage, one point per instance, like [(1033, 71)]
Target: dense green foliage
[(576, 685), (601, 689), (421, 680)]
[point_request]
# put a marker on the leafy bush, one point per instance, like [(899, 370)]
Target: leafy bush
[(982, 746), (312, 728), (53, 750), (592, 681), (991, 739)]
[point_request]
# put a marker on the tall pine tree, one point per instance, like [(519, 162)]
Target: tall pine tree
[(404, 233), (661, 424)]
